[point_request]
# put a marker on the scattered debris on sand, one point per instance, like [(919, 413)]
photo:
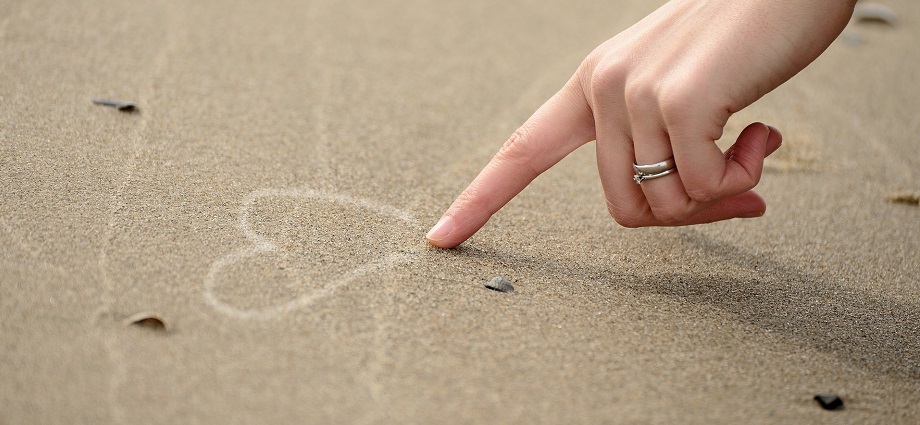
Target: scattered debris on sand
[(121, 105), (909, 198), (874, 12), (829, 401), (500, 284), (147, 320)]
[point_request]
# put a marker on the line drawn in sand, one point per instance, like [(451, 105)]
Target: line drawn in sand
[(263, 245)]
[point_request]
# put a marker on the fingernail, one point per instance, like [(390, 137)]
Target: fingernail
[(752, 214), (441, 230)]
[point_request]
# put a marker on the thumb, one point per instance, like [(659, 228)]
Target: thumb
[(747, 204), (744, 159)]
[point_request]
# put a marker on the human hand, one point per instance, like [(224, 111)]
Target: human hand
[(663, 88)]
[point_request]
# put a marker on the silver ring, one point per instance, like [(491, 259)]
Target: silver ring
[(653, 171), (654, 168)]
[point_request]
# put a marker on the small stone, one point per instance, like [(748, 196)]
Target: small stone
[(500, 284), (829, 401), (145, 320), (121, 105)]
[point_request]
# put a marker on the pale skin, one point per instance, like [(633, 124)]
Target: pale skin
[(663, 88)]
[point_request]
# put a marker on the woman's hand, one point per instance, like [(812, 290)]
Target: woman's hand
[(663, 88)]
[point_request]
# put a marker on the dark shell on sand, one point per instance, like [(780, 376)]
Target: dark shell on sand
[(829, 401), (874, 12), (121, 105), (145, 320)]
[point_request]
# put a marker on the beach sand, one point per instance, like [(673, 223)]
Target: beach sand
[(268, 202)]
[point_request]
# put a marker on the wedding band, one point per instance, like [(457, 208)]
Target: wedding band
[(654, 168), (641, 177), (653, 171)]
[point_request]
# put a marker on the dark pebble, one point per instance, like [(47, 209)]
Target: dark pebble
[(500, 284), (829, 401), (121, 105)]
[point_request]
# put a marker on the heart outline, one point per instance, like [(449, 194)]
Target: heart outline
[(262, 245)]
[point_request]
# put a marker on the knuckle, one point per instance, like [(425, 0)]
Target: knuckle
[(516, 149), (520, 151), (703, 194), (681, 102), (472, 200), (607, 77), (675, 101), (630, 221), (671, 215), (627, 217), (639, 94)]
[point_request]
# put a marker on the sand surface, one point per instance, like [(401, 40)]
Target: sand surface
[(269, 201)]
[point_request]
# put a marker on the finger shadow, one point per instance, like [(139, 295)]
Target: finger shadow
[(862, 329)]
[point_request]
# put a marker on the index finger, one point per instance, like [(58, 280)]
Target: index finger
[(560, 126)]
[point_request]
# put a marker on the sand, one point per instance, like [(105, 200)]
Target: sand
[(268, 203)]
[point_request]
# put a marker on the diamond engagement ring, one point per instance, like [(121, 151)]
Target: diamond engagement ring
[(653, 171)]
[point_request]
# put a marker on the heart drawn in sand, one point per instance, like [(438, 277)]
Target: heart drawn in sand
[(327, 241)]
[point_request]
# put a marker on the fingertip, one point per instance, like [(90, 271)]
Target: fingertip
[(755, 205), (774, 140), (439, 234), (774, 130), (764, 129), (753, 214)]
